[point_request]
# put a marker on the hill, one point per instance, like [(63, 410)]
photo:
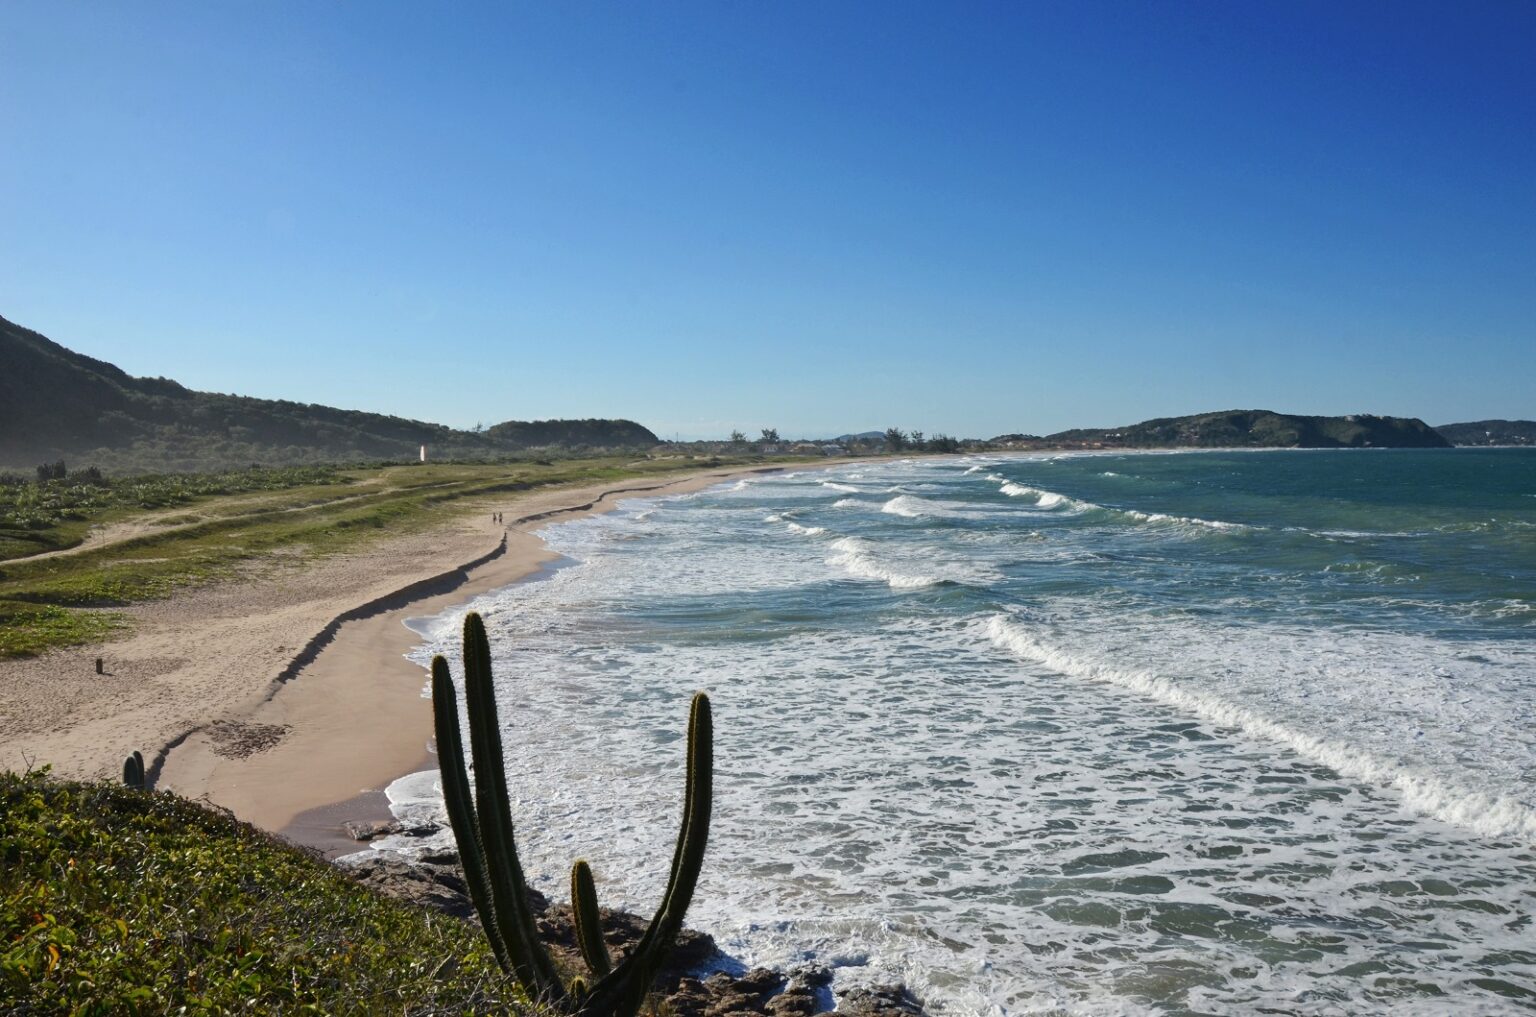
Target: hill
[(58, 404), (1260, 429), (1490, 432)]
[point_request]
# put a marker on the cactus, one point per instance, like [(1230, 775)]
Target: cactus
[(589, 926), (133, 771), (482, 826)]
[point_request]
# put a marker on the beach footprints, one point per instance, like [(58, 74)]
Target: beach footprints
[(482, 825)]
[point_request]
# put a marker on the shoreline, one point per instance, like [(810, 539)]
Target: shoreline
[(285, 688), (353, 676)]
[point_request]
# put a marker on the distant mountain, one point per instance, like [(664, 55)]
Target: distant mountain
[(861, 436), (58, 404), (1490, 432), (1261, 429)]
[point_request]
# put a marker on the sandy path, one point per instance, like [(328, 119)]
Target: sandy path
[(197, 687)]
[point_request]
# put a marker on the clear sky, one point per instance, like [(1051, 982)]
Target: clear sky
[(821, 217)]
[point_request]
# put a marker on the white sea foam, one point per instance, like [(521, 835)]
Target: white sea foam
[(1046, 499), (832, 485), (856, 555), (905, 797), (807, 531), (1209, 524), (911, 507), (1493, 815)]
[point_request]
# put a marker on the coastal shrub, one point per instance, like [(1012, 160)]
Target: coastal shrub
[(121, 901), (482, 826)]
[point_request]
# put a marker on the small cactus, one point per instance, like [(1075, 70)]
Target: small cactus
[(482, 826), (589, 926), (133, 771)]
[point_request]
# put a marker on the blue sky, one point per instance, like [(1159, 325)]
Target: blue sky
[(968, 218)]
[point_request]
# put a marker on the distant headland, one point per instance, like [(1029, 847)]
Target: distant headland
[(56, 404), (1254, 429)]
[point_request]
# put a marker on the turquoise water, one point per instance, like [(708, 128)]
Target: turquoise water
[(1104, 734)]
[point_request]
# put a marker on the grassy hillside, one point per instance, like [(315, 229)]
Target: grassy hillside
[(1261, 429), (1490, 432), (58, 404), (115, 901)]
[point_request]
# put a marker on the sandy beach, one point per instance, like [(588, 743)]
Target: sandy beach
[(286, 698)]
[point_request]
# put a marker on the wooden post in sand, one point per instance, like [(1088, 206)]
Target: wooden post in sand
[(98, 666)]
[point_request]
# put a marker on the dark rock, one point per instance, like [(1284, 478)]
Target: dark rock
[(426, 886), (373, 829), (795, 1001), (880, 1001), (369, 829), (689, 999), (419, 830), (438, 883), (760, 981)]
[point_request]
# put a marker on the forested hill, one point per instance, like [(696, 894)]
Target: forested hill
[(1490, 432), (58, 404), (1260, 429)]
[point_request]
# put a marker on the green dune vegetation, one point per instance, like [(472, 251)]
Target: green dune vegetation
[(115, 901), (133, 539)]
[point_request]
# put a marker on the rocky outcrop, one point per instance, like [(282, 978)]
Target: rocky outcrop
[(436, 882)]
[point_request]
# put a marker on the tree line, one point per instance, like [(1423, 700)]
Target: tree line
[(894, 439)]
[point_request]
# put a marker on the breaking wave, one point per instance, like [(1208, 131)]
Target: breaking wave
[(855, 555), (1487, 814)]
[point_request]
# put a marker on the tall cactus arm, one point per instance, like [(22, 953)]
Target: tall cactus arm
[(460, 804), (625, 989), (508, 888), (589, 925)]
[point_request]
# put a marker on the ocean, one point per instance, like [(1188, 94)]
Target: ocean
[(1111, 733)]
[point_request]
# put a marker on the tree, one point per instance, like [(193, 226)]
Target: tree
[(770, 436), (737, 438), (916, 440), (895, 439), (943, 443)]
